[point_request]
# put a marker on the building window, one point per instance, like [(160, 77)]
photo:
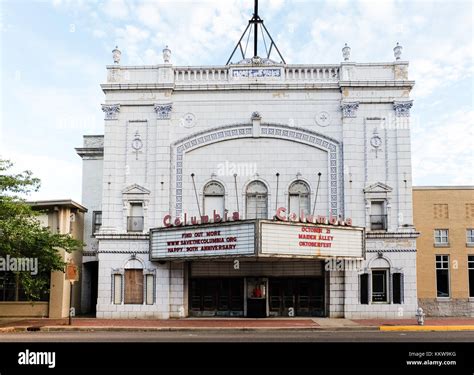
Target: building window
[(12, 289), (150, 289), (442, 275), (378, 217), (470, 267), (135, 220), (364, 288), (117, 288), (441, 237), (133, 286), (214, 194), (470, 237), (440, 211), (379, 286), (96, 221), (397, 287), (257, 200), (299, 197)]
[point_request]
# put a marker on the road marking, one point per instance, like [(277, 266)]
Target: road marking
[(427, 328)]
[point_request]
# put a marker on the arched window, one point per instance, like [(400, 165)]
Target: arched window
[(257, 200), (299, 197), (214, 194)]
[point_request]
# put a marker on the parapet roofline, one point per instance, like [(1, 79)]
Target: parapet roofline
[(454, 187), (230, 66), (69, 203)]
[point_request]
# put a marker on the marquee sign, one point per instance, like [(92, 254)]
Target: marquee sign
[(203, 241), (258, 238), (282, 239)]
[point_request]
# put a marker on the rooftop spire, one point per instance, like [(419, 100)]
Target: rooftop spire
[(255, 21)]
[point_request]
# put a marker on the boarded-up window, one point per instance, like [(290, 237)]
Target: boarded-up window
[(364, 288), (133, 286)]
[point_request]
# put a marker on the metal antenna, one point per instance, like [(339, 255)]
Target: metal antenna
[(316, 195), (236, 192), (276, 197), (196, 194), (255, 21)]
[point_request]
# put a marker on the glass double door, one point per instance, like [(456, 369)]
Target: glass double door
[(217, 297), (296, 296)]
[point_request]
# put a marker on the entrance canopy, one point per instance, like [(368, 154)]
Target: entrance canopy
[(256, 239)]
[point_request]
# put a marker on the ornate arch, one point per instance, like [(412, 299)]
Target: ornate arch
[(267, 130)]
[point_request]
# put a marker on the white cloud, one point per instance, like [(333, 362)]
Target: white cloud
[(99, 33), (148, 14), (443, 150), (60, 179), (117, 9)]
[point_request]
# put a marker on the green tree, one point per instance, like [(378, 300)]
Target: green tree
[(23, 236)]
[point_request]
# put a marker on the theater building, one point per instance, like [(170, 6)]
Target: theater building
[(252, 189)]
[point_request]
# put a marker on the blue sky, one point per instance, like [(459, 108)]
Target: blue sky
[(53, 56)]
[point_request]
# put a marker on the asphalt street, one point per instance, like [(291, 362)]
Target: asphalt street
[(238, 336)]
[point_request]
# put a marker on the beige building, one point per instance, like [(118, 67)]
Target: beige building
[(444, 215), (61, 216)]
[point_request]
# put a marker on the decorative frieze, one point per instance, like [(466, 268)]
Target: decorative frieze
[(163, 111), (111, 111), (349, 109), (402, 108)]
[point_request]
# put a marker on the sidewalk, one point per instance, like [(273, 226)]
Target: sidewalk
[(190, 324)]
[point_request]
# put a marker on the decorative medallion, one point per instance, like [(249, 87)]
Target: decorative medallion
[(323, 118), (189, 120), (137, 144), (376, 142)]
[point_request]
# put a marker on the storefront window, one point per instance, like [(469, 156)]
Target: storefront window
[(442, 275)]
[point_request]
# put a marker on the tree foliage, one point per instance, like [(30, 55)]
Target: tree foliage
[(23, 236)]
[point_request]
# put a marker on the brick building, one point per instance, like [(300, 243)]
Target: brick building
[(444, 216), (241, 141)]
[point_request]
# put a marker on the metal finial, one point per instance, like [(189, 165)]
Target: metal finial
[(346, 52), (166, 55), (116, 54), (397, 51)]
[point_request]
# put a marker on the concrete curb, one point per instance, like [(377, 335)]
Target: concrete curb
[(183, 329), (427, 328)]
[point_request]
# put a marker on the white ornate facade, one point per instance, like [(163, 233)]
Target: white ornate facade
[(169, 129)]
